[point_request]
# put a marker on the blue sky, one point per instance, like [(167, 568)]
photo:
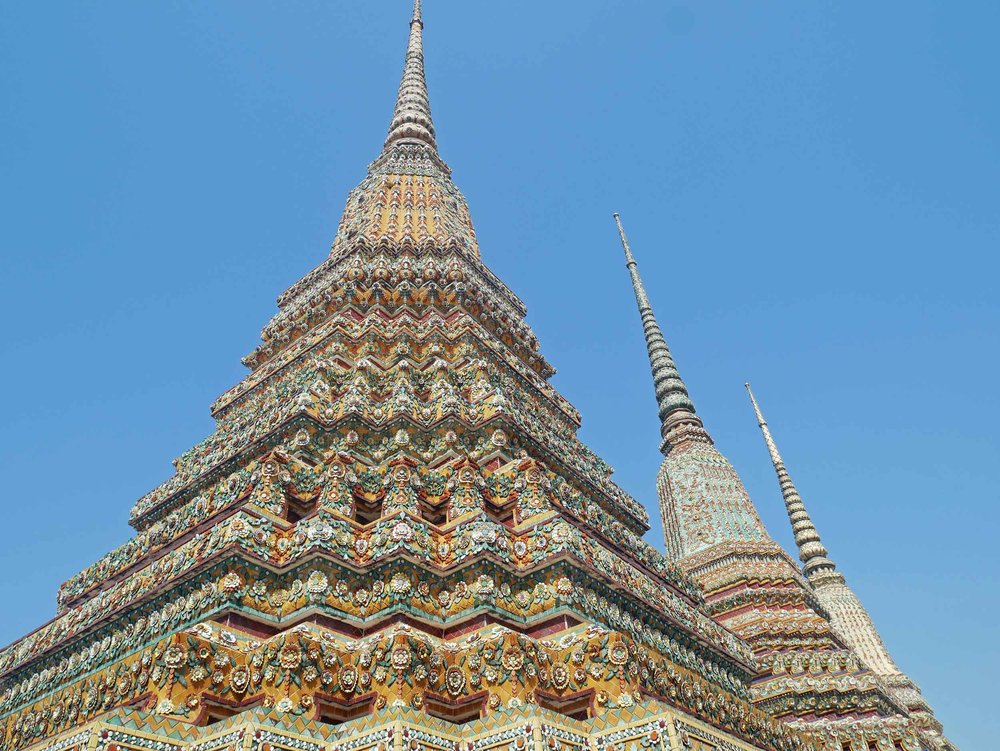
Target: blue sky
[(811, 190)]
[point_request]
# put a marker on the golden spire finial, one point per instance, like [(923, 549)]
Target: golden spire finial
[(411, 118), (812, 552), (672, 399)]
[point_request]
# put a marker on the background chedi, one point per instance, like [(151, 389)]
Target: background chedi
[(821, 663), (395, 536)]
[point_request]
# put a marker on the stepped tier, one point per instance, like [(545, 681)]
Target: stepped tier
[(394, 540), (806, 673)]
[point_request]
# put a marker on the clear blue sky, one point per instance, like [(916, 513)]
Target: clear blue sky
[(811, 190)]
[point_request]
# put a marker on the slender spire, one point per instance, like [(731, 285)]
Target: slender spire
[(411, 119), (812, 552), (675, 405)]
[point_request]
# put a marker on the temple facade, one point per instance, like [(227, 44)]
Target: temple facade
[(394, 540)]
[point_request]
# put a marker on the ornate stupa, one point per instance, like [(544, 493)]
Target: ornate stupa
[(393, 539), (821, 664), (848, 617)]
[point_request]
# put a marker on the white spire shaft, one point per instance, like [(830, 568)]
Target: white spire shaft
[(812, 552)]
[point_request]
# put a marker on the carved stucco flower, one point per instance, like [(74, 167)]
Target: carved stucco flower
[(513, 659), (455, 680), (174, 656), (239, 680), (317, 583), (290, 657), (618, 653)]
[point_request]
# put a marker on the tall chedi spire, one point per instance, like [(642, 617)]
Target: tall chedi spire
[(411, 118), (813, 555), (672, 398), (849, 617), (690, 525), (807, 674), (393, 536)]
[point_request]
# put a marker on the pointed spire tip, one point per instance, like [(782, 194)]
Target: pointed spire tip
[(629, 260), (760, 416)]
